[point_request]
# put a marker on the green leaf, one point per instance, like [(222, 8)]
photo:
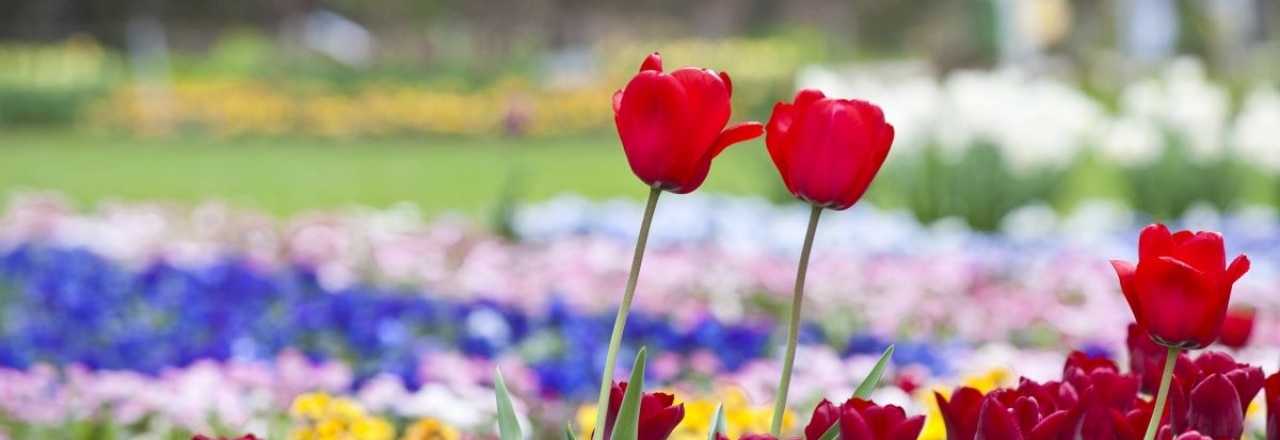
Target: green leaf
[(628, 423), (568, 431), (717, 424), (869, 383), (508, 424), (832, 432)]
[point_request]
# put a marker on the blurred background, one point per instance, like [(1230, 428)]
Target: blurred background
[(228, 203)]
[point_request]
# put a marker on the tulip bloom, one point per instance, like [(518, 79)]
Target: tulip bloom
[(864, 420), (1181, 285), (1237, 327), (828, 150), (658, 417), (671, 124)]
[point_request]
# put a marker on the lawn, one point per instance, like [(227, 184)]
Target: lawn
[(288, 175)]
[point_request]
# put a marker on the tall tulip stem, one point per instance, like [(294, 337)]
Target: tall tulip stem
[(606, 382), (1170, 360), (793, 331)]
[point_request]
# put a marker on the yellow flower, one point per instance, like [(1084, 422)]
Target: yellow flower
[(311, 405), (990, 380), (371, 428), (430, 429)]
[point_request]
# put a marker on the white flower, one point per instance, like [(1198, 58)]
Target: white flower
[(1256, 134)]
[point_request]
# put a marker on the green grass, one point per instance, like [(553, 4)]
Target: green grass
[(289, 175)]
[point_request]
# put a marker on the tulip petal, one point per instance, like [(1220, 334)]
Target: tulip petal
[(1127, 273), (995, 422), (1215, 408), (853, 426), (1237, 269), (1179, 307), (1154, 241), (824, 416), (1272, 399), (728, 83), (652, 63), (909, 429), (1202, 251), (777, 140)]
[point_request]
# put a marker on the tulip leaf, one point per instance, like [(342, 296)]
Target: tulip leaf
[(508, 424), (832, 432), (718, 425), (628, 424), (568, 432), (869, 383)]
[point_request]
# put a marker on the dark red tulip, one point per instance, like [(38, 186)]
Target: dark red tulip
[(825, 416), (1181, 285), (1246, 379), (1023, 420), (864, 420), (1237, 327), (1215, 408), (1272, 399), (673, 124), (658, 417), (828, 150), (960, 412)]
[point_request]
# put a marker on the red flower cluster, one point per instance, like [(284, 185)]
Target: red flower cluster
[(858, 420), (1093, 398)]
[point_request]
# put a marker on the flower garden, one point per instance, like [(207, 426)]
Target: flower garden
[(1014, 315)]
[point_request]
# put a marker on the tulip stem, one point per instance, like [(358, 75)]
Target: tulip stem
[(793, 331), (1170, 360), (606, 382)]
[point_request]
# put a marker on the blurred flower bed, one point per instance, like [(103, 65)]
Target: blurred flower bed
[(149, 319)]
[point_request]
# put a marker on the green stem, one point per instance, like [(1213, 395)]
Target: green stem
[(1170, 359), (606, 382), (793, 331)]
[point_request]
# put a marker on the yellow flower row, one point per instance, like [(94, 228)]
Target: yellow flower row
[(232, 107), (319, 416)]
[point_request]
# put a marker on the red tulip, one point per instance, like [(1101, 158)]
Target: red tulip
[(825, 416), (658, 417), (960, 413), (864, 420), (1237, 327), (828, 150), (670, 124), (1272, 398), (1180, 287), (1023, 420)]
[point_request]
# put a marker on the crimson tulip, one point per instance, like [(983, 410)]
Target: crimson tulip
[(864, 420), (1237, 327), (1215, 408), (658, 417), (960, 412), (828, 150), (1272, 398), (825, 416), (1181, 285), (673, 124)]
